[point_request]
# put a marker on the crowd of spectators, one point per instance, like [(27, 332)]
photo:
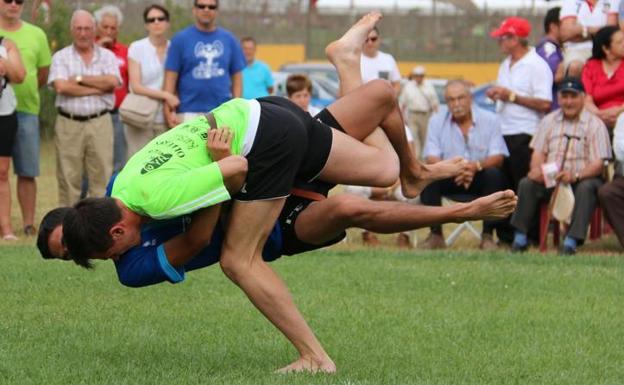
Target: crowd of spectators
[(556, 104)]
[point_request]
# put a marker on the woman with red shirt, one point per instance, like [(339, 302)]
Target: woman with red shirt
[(603, 75)]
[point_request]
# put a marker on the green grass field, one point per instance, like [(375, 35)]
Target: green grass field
[(386, 317)]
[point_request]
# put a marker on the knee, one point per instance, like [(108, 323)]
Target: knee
[(350, 208), (587, 187), (606, 193), (232, 265), (575, 69), (524, 186), (383, 89), (389, 168)]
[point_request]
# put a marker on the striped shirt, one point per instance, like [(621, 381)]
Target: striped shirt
[(592, 142), (67, 64)]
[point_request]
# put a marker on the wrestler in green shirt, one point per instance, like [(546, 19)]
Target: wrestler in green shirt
[(174, 173)]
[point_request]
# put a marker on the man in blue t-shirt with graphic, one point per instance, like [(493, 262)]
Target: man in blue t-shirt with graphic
[(257, 77), (203, 66)]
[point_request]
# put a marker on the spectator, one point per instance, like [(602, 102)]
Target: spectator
[(33, 44), (376, 64), (611, 195), (582, 169), (418, 100), (603, 75), (146, 71), (109, 19), (299, 91), (470, 132), (257, 78), (203, 65), (11, 71), (84, 130), (523, 93), (580, 20), (549, 48)]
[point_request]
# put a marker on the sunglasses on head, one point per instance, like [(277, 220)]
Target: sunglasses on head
[(212, 7), (151, 20), (372, 39), (18, 2)]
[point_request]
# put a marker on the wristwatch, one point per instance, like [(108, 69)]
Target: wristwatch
[(512, 97), (79, 80)]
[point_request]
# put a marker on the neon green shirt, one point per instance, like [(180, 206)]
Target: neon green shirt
[(174, 173), (33, 47)]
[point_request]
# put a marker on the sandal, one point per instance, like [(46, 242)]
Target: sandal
[(9, 237)]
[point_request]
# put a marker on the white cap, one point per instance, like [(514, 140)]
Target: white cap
[(418, 70)]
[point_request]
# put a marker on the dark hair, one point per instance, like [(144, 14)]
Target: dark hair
[(376, 30), (86, 228), (602, 40), (296, 83), (50, 221), (155, 6), (248, 39), (552, 17)]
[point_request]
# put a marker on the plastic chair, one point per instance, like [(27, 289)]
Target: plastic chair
[(465, 226)]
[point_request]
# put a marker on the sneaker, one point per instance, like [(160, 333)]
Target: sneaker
[(567, 250), (433, 242), (487, 243), (518, 248), (30, 231), (369, 239), (403, 241)]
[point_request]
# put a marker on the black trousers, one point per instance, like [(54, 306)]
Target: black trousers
[(517, 165), (611, 198), (485, 182)]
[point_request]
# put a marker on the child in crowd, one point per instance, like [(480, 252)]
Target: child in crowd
[(299, 91)]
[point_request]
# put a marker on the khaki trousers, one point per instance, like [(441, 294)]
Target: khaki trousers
[(137, 137), (417, 122), (83, 148)]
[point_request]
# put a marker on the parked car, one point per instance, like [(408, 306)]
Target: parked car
[(480, 98), (321, 95)]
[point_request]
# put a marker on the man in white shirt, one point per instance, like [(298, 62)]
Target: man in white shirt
[(375, 64), (523, 94), (580, 20), (418, 100)]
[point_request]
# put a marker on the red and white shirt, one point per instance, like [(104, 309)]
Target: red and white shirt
[(587, 15)]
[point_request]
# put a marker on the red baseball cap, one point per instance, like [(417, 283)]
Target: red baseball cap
[(516, 26)]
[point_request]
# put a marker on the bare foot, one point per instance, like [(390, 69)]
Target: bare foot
[(413, 181), (494, 206), (347, 49), (304, 365)]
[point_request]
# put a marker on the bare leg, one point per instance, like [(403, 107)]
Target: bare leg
[(376, 105), (27, 196), (340, 212), (5, 198), (241, 260)]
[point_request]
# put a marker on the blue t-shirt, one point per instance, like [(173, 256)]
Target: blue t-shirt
[(257, 80), (205, 62), (147, 264)]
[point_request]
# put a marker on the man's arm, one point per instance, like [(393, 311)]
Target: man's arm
[(237, 84), (504, 94), (104, 83), (535, 172), (42, 76), (170, 85), (72, 88)]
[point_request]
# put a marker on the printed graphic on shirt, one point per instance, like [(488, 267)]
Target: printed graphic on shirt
[(209, 68)]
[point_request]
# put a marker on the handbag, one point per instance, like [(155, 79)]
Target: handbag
[(138, 110)]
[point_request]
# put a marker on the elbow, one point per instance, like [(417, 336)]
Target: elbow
[(545, 107)]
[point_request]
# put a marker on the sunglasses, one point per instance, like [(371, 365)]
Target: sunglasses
[(18, 2), (212, 7), (151, 20), (372, 39)]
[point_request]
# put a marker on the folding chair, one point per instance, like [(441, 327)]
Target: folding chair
[(460, 198)]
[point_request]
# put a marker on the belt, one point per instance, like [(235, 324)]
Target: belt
[(307, 194), (82, 118)]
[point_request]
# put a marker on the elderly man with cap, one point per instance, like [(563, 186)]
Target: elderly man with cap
[(523, 93), (575, 134), (418, 100)]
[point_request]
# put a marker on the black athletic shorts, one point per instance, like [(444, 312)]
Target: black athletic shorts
[(319, 137), (8, 130), (276, 155), (291, 244)]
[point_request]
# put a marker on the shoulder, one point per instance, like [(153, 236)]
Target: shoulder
[(34, 30), (181, 35), (222, 32), (594, 121), (438, 119), (386, 57), (105, 54), (61, 53), (484, 116)]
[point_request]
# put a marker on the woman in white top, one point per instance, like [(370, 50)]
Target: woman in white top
[(11, 71), (146, 58)]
